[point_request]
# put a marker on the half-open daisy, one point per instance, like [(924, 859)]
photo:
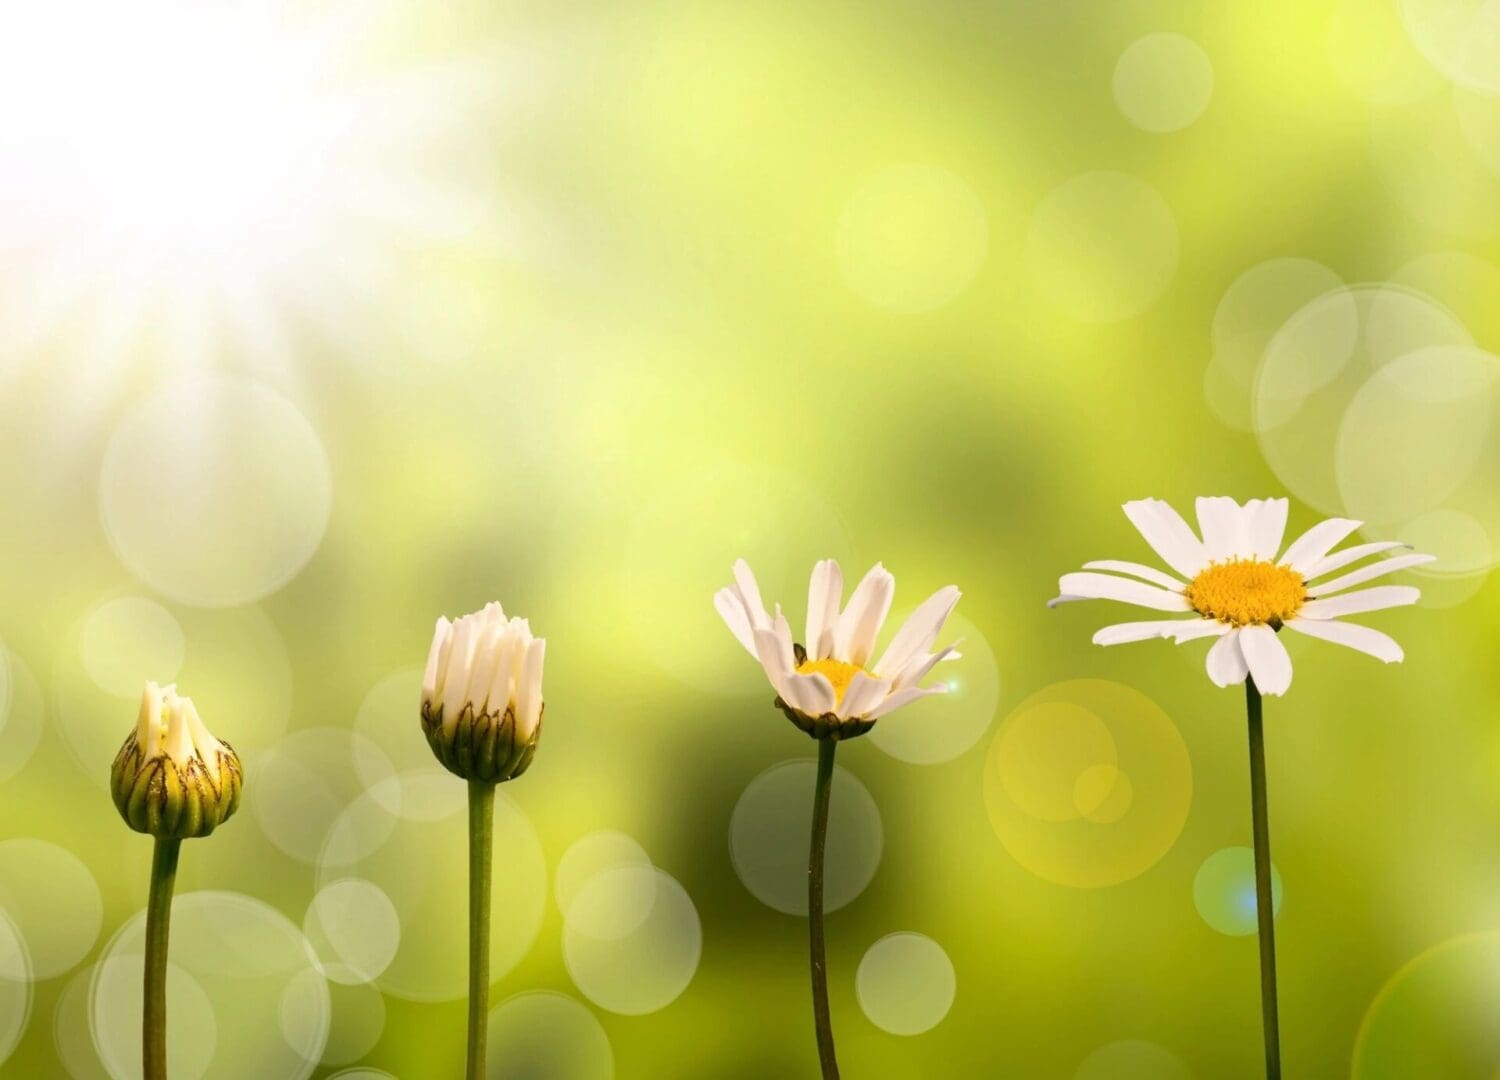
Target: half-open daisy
[(1230, 583), (828, 687)]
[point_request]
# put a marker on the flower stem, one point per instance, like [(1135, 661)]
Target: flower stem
[(481, 847), (158, 923), (821, 1018), (1264, 904)]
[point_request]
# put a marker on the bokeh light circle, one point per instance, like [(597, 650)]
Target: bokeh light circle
[(215, 491), (358, 1021), (770, 825), (648, 968), (1315, 364), (1088, 783), (130, 639), (1461, 38), (1435, 1016), (1416, 431), (1224, 891), (419, 859), (114, 1015), (905, 983), (1163, 82), (1102, 247), (1464, 284), (363, 1074), (939, 728), (543, 1035), (912, 238), (1132, 1059), (353, 929), (54, 901), (235, 669), (1251, 311), (22, 714), (602, 913), (240, 969), (305, 781), (16, 977), (677, 556)]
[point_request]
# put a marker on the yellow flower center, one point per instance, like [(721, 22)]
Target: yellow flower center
[(837, 672), (1247, 591)]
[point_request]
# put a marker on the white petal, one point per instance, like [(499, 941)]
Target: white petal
[(919, 631), (1266, 525), (529, 694), (455, 678), (864, 693), (178, 744), (1306, 551), (854, 635), (1369, 573), (917, 667), (1135, 569), (731, 609), (442, 641), (503, 690), (903, 697), (1179, 630), (1226, 663), (486, 652), (1193, 629), (1270, 666), (148, 724), (772, 657), (1224, 527), (1376, 599), (824, 594), (1105, 587), (744, 579), (1169, 536), (1366, 640), (809, 694), (783, 632), (1330, 563)]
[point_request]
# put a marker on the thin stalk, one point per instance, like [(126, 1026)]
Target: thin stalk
[(158, 925), (481, 848), (821, 1018), (1265, 914)]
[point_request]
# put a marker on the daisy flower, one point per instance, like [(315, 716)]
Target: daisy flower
[(482, 714), (828, 686), (1228, 582)]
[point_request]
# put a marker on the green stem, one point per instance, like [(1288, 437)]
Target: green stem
[(821, 1018), (158, 924), (1265, 914), (481, 848)]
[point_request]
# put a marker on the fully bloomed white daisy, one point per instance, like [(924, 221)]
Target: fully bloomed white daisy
[(1229, 583), (828, 687)]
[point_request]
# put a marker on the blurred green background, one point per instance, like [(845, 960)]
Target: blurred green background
[(320, 321)]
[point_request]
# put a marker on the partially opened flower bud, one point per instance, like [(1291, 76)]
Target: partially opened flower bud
[(482, 695), (172, 778)]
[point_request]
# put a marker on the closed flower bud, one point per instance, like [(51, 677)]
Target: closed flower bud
[(172, 778), (482, 695)]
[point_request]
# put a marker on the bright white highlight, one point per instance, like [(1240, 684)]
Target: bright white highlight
[(217, 172)]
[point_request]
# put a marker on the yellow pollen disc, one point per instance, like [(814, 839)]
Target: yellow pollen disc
[(837, 672), (1247, 591)]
